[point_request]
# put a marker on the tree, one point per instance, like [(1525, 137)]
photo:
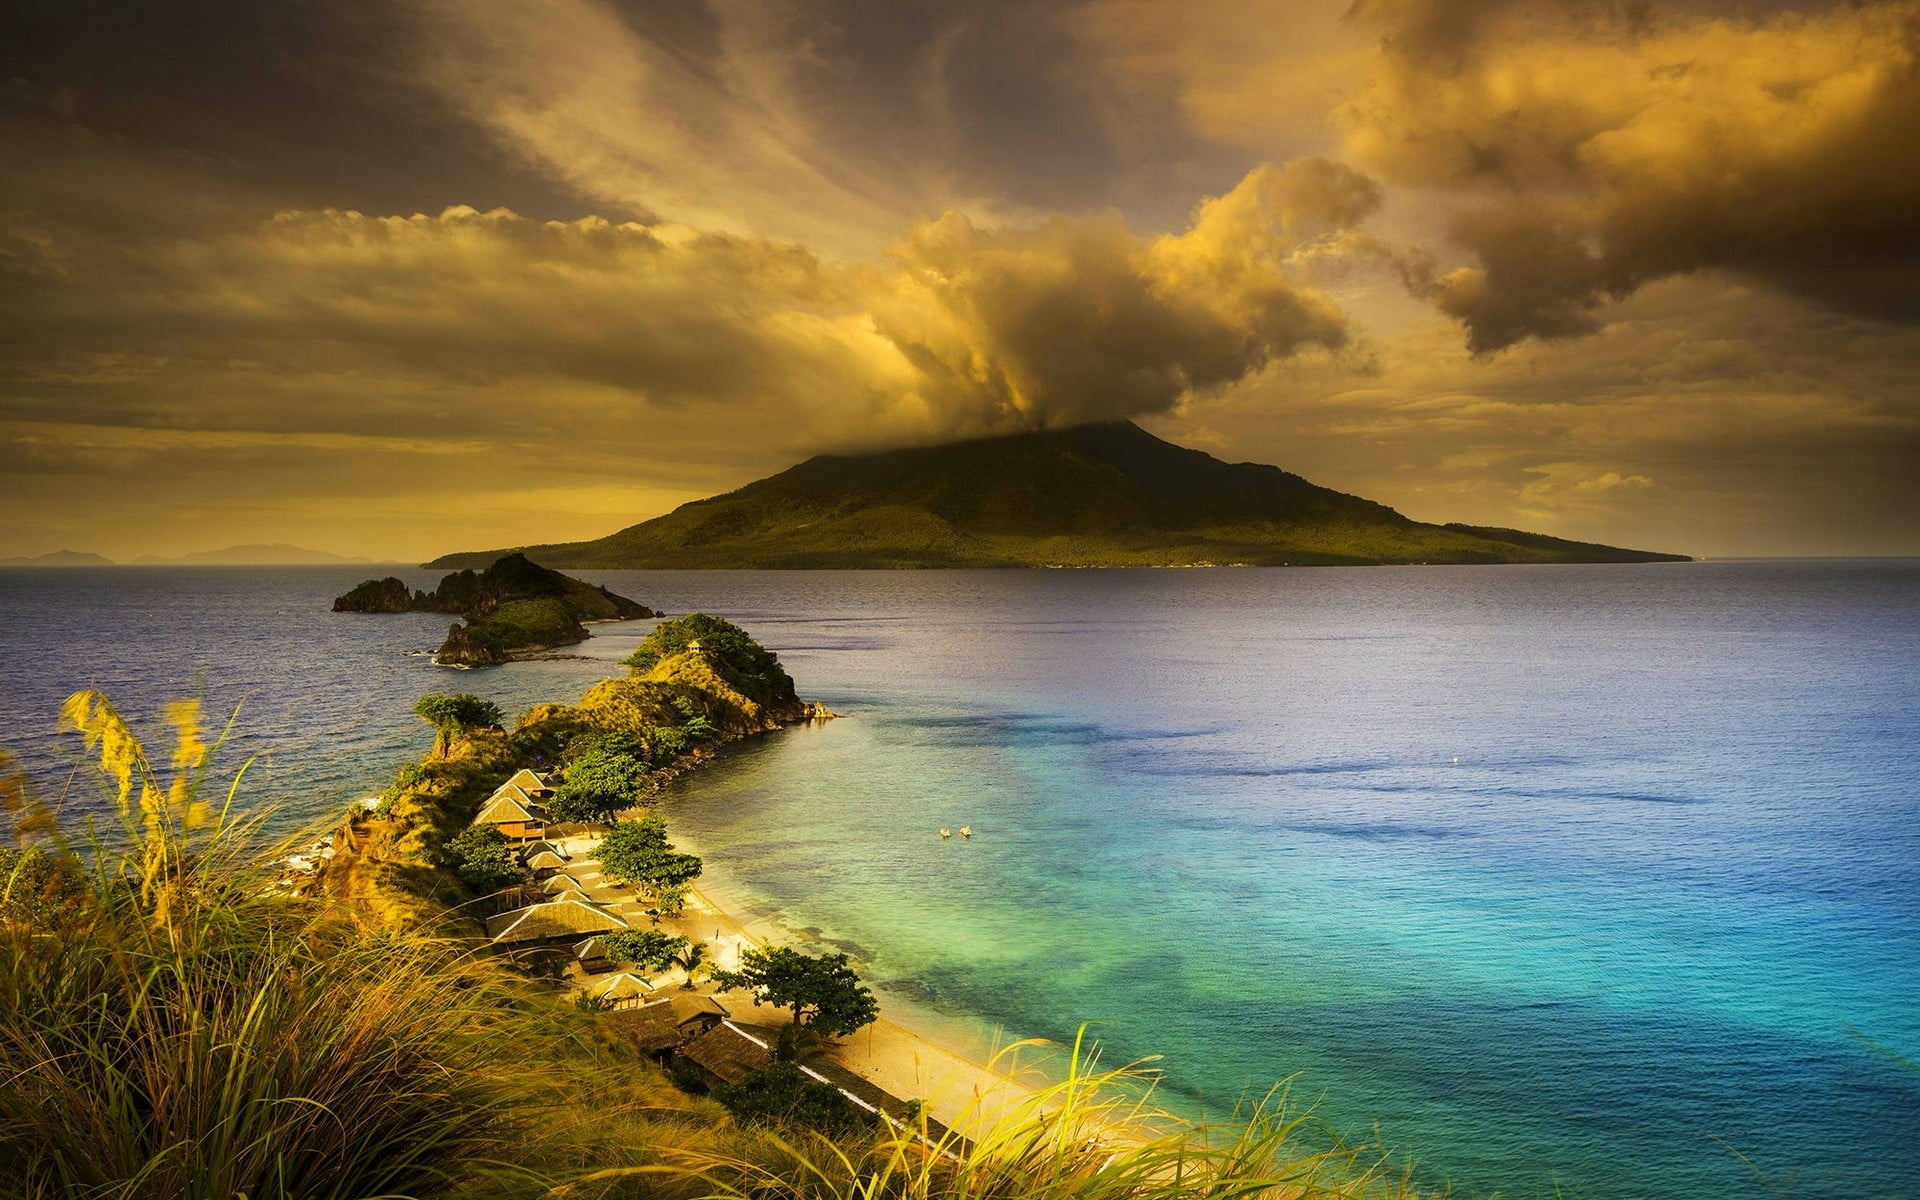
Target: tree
[(694, 724), (784, 1094), (452, 713), (822, 990), (480, 857), (638, 852), (648, 949), (691, 959), (599, 784)]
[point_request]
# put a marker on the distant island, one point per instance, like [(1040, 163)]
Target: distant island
[(276, 554), (513, 608), (1106, 495), (59, 558)]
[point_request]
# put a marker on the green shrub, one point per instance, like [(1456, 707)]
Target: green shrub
[(479, 856), (784, 1094)]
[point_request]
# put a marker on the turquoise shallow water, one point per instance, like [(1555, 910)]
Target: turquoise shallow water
[(1663, 912)]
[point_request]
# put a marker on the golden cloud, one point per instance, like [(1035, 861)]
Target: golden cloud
[(1594, 156)]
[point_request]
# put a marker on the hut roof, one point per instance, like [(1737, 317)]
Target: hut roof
[(624, 986), (509, 804), (590, 949), (561, 883), (552, 919), (727, 1053), (527, 782), (651, 1025), (546, 860), (537, 847), (667, 1021)]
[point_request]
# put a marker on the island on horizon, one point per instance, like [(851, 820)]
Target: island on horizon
[(1100, 495)]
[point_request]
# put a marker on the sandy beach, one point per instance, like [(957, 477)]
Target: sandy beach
[(959, 1090)]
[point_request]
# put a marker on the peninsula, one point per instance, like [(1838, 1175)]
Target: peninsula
[(513, 608), (1105, 495)]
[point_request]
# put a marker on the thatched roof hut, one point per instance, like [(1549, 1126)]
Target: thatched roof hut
[(665, 1022), (568, 916), (529, 783), (562, 884), (727, 1054), (513, 813), (621, 991), (545, 860)]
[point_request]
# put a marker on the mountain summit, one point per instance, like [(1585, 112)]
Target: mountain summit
[(1108, 495)]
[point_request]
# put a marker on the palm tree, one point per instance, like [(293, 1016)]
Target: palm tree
[(690, 960)]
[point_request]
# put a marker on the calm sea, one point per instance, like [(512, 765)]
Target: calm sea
[(1601, 878)]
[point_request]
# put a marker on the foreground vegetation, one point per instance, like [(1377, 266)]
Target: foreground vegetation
[(182, 1021), (178, 1025)]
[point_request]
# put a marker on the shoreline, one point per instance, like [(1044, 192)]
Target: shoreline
[(902, 1053)]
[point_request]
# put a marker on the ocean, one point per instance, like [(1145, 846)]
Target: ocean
[(1595, 878)]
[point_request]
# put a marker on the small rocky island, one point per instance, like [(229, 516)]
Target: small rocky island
[(513, 609)]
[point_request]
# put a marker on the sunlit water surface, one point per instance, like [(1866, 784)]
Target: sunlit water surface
[(1601, 877)]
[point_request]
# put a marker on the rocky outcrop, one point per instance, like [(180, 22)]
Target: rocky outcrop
[(515, 629), (389, 595), (514, 608)]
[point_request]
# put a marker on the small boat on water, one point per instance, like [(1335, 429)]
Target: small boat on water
[(966, 831), (946, 833)]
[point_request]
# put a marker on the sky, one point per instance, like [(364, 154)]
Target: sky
[(393, 278)]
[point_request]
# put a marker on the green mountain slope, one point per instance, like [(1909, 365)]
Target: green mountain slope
[(1096, 496)]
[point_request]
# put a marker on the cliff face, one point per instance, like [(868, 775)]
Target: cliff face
[(513, 608)]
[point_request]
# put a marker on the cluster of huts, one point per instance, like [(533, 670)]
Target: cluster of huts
[(563, 917)]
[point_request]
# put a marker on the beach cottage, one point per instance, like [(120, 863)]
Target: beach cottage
[(662, 1024), (531, 784), (625, 990), (514, 813), (567, 918)]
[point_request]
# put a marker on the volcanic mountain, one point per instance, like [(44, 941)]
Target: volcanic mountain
[(1108, 495)]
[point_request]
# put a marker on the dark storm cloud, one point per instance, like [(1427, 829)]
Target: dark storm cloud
[(300, 103), (1606, 150)]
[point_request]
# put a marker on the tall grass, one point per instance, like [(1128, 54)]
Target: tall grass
[(172, 1024), (1096, 1135)]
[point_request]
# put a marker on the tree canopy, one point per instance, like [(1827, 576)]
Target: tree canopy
[(480, 858), (638, 852), (449, 713), (783, 1094), (749, 665), (822, 990), (600, 783), (648, 949)]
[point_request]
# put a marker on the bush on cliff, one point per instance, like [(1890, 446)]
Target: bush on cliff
[(745, 663)]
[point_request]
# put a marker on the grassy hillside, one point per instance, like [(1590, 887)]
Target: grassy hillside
[(1098, 495)]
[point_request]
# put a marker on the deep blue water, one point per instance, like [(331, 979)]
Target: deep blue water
[(1659, 921)]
